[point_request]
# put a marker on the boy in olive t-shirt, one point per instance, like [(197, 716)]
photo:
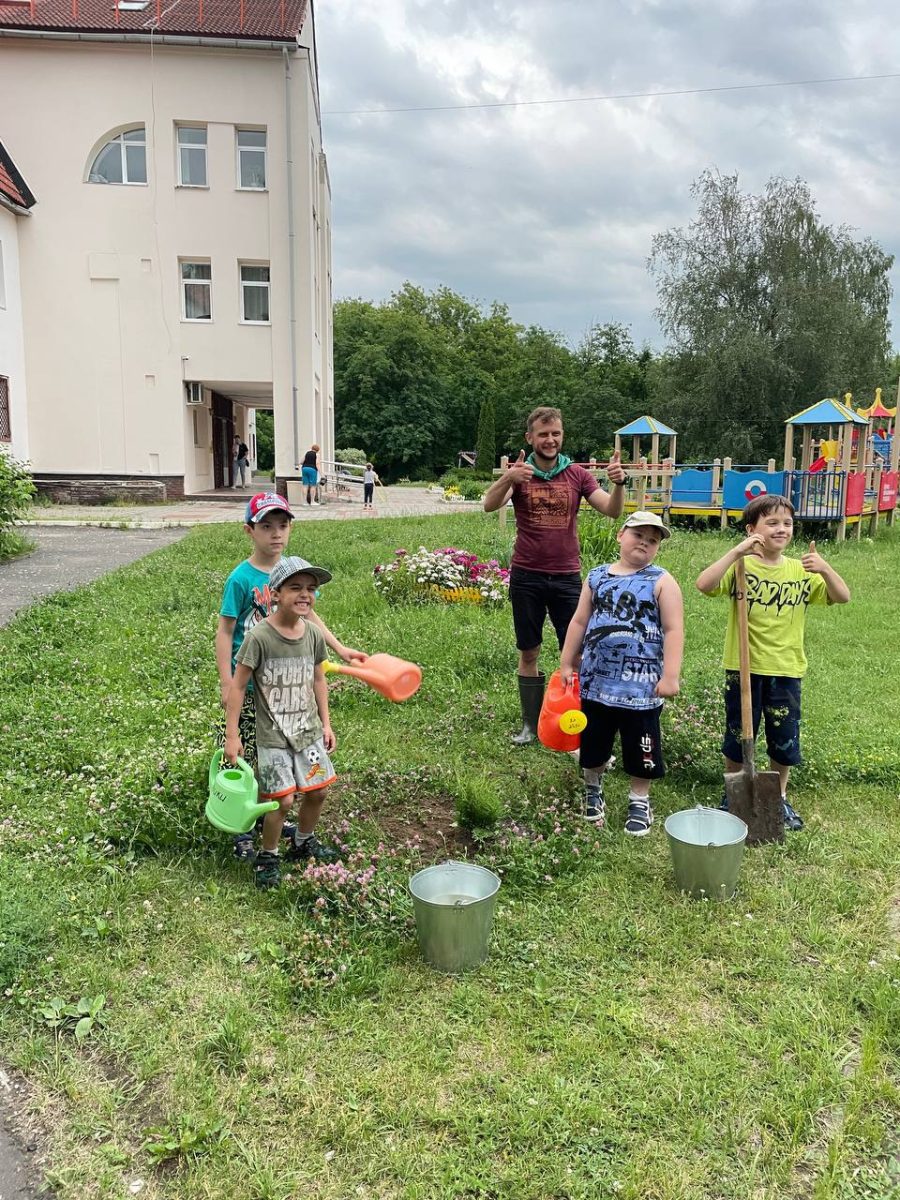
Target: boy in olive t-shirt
[(283, 655), (779, 591)]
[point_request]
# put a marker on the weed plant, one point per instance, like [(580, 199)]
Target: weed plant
[(621, 1040)]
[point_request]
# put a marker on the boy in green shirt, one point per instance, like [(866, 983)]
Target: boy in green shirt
[(779, 590), (283, 655)]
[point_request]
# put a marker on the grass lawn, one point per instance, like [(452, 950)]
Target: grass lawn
[(185, 1037)]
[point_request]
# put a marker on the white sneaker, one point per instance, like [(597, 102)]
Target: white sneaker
[(315, 504)]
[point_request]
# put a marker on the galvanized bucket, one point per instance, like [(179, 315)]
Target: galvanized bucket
[(454, 905), (707, 846)]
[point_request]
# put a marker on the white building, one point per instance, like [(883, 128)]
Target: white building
[(176, 272), (16, 201)]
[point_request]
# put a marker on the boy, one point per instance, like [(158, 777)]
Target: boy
[(370, 478), (779, 590), (545, 577), (628, 631), (246, 601), (283, 655)]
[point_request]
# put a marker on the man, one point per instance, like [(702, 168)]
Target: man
[(545, 579)]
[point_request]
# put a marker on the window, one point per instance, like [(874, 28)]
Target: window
[(199, 422), (5, 426), (122, 160), (251, 152), (196, 291), (254, 293), (192, 155)]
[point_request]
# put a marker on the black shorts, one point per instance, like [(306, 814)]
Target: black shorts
[(638, 729), (535, 596), (775, 698)]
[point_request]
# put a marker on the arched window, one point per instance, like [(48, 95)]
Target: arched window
[(122, 160)]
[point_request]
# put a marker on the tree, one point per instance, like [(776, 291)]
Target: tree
[(768, 310), (265, 440), (486, 446)]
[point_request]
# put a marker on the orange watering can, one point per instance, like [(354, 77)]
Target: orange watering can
[(394, 678), (561, 720)]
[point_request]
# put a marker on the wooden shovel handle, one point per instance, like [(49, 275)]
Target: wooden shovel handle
[(740, 583)]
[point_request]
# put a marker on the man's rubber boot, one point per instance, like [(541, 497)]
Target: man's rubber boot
[(531, 697)]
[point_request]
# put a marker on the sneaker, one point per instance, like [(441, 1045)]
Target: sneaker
[(640, 816), (266, 872), (594, 806), (244, 850), (792, 819), (288, 830), (311, 847)]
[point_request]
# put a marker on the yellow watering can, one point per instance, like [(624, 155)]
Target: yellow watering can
[(232, 805)]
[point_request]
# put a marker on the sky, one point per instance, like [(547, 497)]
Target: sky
[(551, 207)]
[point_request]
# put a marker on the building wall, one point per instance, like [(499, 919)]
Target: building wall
[(107, 349), (12, 342)]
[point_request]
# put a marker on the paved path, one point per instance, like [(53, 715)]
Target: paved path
[(67, 558), (389, 502)]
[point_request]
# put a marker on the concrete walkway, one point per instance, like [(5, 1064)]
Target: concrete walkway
[(66, 558), (389, 502)]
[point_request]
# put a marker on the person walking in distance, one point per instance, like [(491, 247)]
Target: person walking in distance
[(545, 579), (310, 473)]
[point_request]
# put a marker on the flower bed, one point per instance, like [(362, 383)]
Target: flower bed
[(447, 576)]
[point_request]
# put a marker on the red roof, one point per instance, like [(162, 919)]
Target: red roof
[(12, 186), (271, 19)]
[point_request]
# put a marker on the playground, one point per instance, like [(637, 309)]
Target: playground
[(621, 1040), (845, 474)]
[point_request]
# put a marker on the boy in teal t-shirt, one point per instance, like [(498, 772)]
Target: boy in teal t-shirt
[(246, 601), (779, 591)]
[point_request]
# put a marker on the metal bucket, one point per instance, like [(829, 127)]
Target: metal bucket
[(707, 846), (454, 905)]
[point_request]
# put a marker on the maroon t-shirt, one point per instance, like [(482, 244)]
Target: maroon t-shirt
[(546, 515)]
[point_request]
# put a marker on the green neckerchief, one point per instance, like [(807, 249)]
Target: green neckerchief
[(561, 463)]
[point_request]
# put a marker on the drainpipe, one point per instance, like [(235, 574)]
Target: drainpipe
[(292, 271)]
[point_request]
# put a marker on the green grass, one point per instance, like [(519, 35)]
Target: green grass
[(620, 1041)]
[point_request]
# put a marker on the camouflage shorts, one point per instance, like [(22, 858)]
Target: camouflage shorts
[(246, 728)]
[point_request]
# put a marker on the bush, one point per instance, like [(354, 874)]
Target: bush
[(597, 539), (477, 804), (17, 492), (358, 458)]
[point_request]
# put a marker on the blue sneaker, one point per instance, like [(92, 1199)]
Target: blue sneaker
[(640, 816), (244, 850), (793, 822), (594, 806)]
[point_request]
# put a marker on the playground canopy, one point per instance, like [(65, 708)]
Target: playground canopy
[(826, 412), (646, 427)]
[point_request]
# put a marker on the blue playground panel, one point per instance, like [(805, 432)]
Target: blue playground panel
[(692, 486), (740, 487), (882, 446)]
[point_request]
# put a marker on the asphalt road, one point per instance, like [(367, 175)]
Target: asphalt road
[(65, 558)]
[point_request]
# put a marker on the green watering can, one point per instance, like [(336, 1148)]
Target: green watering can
[(232, 805)]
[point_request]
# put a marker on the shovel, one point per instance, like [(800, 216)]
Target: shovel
[(753, 796)]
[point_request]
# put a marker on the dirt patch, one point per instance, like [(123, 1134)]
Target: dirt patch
[(417, 820)]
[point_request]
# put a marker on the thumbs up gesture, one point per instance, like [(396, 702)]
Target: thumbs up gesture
[(520, 470), (615, 470), (813, 561)]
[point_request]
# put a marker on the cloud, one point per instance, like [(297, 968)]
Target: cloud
[(552, 208)]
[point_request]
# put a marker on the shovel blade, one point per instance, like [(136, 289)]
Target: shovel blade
[(755, 797)]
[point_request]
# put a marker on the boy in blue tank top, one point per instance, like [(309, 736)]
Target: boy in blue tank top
[(628, 632)]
